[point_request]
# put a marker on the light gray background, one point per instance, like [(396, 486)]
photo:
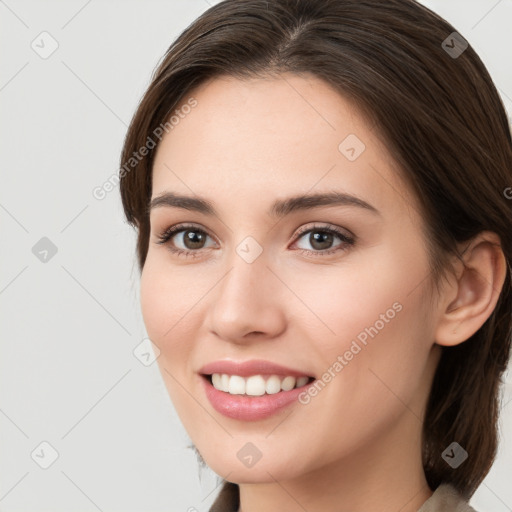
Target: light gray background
[(69, 326)]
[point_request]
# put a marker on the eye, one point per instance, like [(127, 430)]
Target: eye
[(191, 239), (189, 236), (321, 238)]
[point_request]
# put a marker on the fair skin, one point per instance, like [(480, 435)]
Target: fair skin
[(356, 446)]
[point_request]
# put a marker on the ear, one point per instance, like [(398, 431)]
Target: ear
[(470, 298)]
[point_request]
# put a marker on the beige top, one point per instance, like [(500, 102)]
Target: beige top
[(445, 499)]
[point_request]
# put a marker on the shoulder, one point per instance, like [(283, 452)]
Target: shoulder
[(446, 498)]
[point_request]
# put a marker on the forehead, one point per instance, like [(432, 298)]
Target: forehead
[(265, 138)]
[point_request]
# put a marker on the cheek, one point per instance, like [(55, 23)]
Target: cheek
[(167, 297), (373, 315), (371, 289), (154, 298), (164, 310)]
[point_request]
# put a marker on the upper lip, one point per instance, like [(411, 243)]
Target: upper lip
[(248, 368)]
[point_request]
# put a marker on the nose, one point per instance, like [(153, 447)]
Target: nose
[(248, 303)]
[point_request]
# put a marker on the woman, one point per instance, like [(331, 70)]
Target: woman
[(320, 193)]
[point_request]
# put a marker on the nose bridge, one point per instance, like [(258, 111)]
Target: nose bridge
[(246, 280), (249, 272), (246, 300)]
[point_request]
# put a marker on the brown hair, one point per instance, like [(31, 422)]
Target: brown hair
[(441, 119)]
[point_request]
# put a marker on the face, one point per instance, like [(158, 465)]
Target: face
[(331, 290)]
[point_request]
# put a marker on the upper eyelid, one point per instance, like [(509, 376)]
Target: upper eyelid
[(179, 228), (325, 226), (299, 232)]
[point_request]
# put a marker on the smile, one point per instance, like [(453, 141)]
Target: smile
[(256, 385)]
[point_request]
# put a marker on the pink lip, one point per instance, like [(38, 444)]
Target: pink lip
[(248, 368), (250, 408)]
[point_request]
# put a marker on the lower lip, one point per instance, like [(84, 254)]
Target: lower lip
[(250, 408)]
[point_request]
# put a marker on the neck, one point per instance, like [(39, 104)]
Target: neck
[(384, 475)]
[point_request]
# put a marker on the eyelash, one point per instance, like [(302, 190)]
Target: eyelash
[(165, 237)]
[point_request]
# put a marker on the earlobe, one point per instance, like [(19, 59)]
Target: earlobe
[(471, 298)]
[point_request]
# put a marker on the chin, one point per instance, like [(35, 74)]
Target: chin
[(235, 465)]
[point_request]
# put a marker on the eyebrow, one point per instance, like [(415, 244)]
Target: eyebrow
[(280, 208)]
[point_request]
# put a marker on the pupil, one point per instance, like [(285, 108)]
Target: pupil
[(194, 238)]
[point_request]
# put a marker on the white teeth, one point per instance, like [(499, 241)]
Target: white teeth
[(224, 383), (236, 385), (255, 385), (273, 385), (301, 381), (217, 381), (288, 383)]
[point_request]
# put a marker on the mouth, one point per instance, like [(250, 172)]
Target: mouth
[(253, 397), (256, 385), (252, 390)]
